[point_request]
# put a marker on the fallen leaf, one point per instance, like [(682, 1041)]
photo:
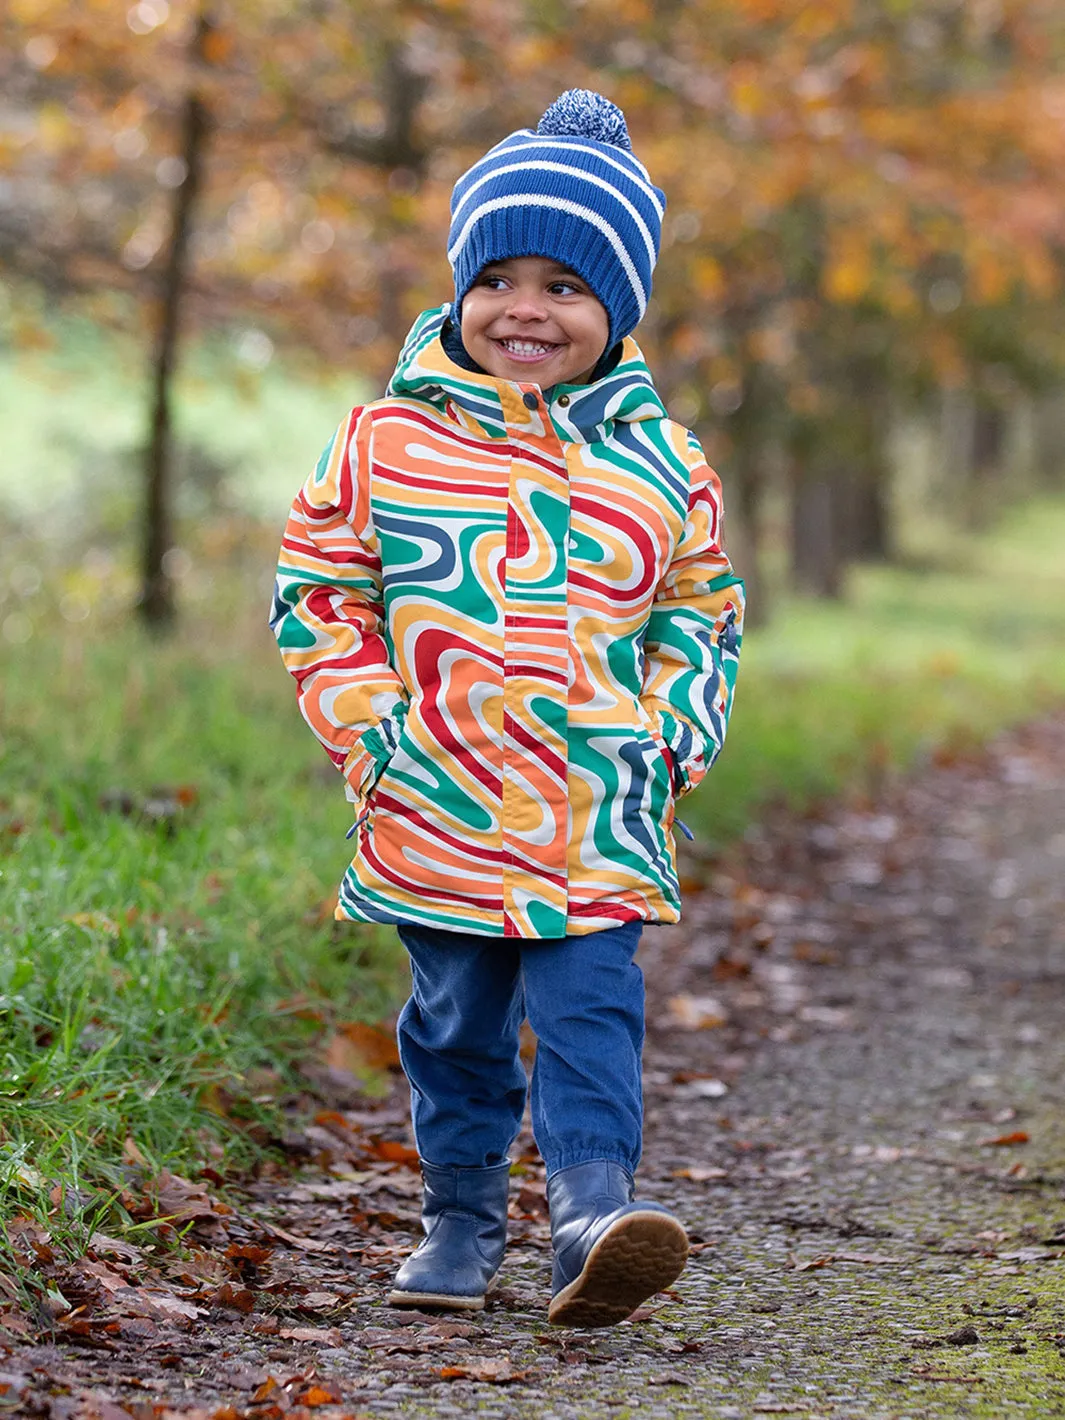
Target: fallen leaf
[(1003, 1140), (238, 1299), (115, 1247), (240, 1253), (531, 1199), (163, 1306), (824, 1260), (697, 1012), (294, 1240), (333, 1119), (100, 1408), (496, 1372), (131, 1154), (700, 1175), (448, 1330), (815, 953), (94, 922), (318, 1301), (178, 1198), (925, 1375), (316, 1395), (871, 1259), (324, 1335), (728, 968), (11, 1386), (357, 1046), (105, 1277), (395, 1152), (527, 1043)]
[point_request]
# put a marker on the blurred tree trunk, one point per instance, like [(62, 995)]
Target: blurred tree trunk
[(156, 601), (986, 452), (744, 536), (865, 510), (753, 429), (400, 151), (1050, 442), (816, 560), (840, 485), (867, 533)]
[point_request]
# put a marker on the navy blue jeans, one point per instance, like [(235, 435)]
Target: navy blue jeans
[(458, 1041)]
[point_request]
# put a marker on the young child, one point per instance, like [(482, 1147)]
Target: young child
[(504, 599)]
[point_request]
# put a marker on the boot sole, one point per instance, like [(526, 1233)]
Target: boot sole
[(641, 1254), (437, 1301), (440, 1301)]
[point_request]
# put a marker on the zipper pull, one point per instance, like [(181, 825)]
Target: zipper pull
[(685, 830)]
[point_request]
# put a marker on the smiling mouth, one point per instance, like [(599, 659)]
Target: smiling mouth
[(530, 350)]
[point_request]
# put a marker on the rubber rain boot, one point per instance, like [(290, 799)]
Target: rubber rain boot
[(464, 1216), (611, 1253)]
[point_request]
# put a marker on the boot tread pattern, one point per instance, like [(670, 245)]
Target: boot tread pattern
[(639, 1255)]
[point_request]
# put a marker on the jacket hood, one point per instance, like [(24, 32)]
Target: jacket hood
[(581, 413)]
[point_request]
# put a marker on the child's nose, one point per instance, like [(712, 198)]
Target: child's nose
[(527, 305)]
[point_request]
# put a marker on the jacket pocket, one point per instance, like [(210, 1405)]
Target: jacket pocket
[(646, 722), (364, 805)]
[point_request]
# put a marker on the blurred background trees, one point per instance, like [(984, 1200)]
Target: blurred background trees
[(863, 250)]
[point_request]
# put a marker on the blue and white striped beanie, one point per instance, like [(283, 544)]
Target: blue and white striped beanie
[(572, 191)]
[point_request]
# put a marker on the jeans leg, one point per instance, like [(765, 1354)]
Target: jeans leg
[(585, 1000), (458, 1044)]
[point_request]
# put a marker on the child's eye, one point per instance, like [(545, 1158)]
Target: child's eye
[(493, 283), (566, 288)]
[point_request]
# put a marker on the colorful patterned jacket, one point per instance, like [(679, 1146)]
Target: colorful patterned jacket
[(515, 631)]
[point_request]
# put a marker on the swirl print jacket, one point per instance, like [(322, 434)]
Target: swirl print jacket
[(514, 629)]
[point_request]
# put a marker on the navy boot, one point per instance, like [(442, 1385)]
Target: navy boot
[(464, 1214), (611, 1254)]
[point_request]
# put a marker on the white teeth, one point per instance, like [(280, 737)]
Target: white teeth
[(526, 347)]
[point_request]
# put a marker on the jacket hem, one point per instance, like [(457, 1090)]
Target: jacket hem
[(576, 926)]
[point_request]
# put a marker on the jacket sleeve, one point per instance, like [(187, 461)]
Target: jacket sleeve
[(692, 644), (328, 613)]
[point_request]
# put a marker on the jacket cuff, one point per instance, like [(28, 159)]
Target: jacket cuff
[(370, 754), (686, 747)]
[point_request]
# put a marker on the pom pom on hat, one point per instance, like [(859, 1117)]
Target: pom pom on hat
[(572, 191), (582, 113)]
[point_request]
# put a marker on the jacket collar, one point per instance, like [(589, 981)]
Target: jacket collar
[(581, 414)]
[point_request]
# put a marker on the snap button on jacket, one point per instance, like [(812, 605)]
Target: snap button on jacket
[(514, 629)]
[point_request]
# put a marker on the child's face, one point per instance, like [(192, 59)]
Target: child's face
[(530, 319)]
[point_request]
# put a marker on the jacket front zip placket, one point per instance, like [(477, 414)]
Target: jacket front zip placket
[(535, 808)]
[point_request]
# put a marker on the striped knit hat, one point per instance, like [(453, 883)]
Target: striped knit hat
[(572, 191)]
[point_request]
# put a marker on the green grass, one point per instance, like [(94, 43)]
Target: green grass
[(833, 697), (160, 981), (74, 408)]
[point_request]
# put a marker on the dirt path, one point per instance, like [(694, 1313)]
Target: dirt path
[(869, 1153)]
